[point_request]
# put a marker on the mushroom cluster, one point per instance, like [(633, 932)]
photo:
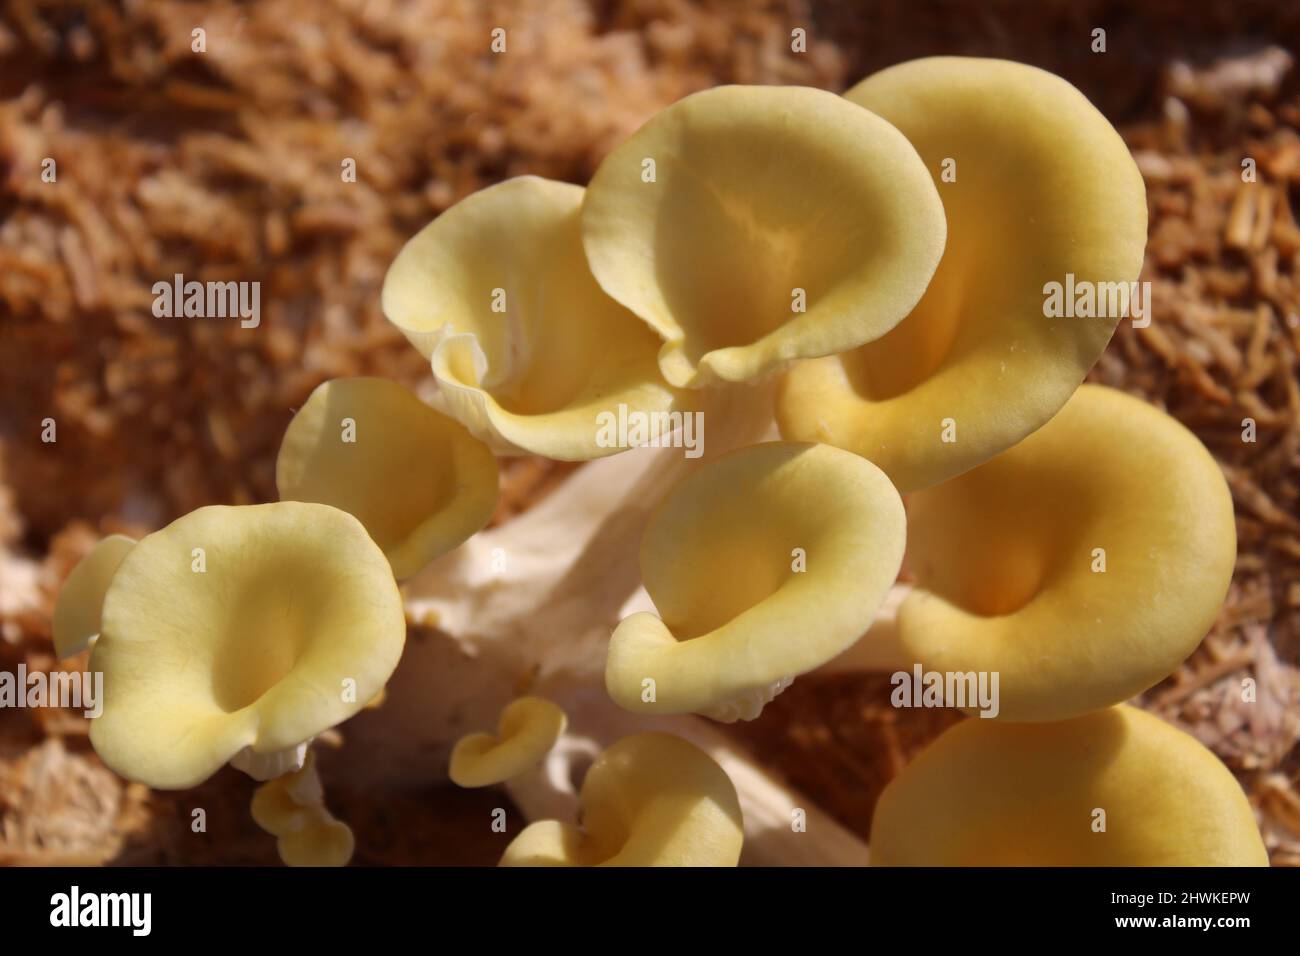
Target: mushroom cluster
[(851, 293)]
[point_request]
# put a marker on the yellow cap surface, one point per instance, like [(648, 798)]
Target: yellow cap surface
[(763, 564), (649, 800), (418, 480), (781, 223), (255, 626), (1083, 565), (526, 348), (1044, 189), (1118, 787)]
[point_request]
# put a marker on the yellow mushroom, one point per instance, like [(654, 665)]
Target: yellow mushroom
[(762, 565), (241, 632), (1038, 188), (275, 811), (323, 841), (81, 599), (292, 809), (1117, 787), (527, 350), (753, 225), (418, 480), (649, 800), (1083, 565), (529, 728)]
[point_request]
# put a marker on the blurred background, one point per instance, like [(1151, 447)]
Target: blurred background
[(225, 165)]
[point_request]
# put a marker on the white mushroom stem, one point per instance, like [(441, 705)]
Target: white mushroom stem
[(268, 766), (550, 790)]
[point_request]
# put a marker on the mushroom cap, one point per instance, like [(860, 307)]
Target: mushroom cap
[(276, 811), (81, 599), (528, 729), (534, 377), (253, 651), (988, 793), (759, 191), (418, 480), (651, 799), (1004, 559), (321, 841), (1044, 187), (719, 560), (283, 804)]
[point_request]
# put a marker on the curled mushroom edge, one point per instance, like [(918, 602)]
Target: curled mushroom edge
[(528, 729), (526, 349), (753, 548), (751, 226), (79, 607)]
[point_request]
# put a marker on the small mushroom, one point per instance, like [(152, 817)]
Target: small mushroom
[(1038, 188), (241, 632), (81, 599), (529, 728), (1083, 565), (321, 841), (753, 225), (292, 809), (1118, 787), (762, 565), (651, 799), (418, 480), (526, 349)]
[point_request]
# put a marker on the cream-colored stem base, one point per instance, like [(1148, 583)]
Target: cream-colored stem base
[(268, 766)]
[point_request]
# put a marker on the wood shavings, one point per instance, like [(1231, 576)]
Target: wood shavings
[(61, 808)]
